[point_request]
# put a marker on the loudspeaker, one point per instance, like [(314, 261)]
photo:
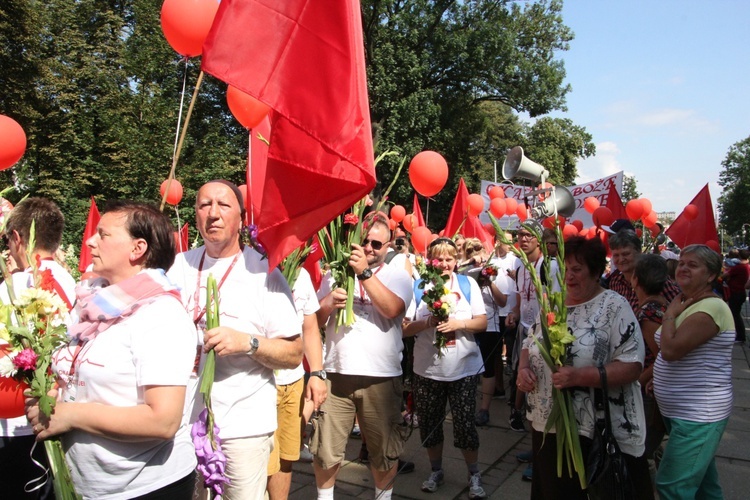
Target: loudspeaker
[(561, 197), (517, 165)]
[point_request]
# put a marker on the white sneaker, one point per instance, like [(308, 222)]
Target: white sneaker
[(475, 486), (436, 479), (305, 455)]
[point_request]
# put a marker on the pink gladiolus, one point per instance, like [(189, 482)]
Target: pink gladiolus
[(25, 360)]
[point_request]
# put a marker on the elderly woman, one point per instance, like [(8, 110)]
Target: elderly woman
[(124, 374), (606, 334), (450, 375), (693, 378)]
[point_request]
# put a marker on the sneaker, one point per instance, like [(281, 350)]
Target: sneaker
[(524, 457), (411, 419), (498, 394), (405, 467), (482, 418), (436, 479), (356, 433), (305, 455), (527, 473), (475, 486), (516, 421)]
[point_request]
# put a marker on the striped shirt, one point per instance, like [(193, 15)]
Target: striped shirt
[(698, 387)]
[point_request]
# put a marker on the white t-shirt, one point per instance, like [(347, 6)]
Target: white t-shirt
[(154, 346), (372, 345), (253, 301), (460, 357), (606, 330), (306, 303), (529, 305), (19, 426)]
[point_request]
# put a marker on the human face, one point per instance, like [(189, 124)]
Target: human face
[(217, 214), (527, 242), (692, 275), (551, 247), (445, 261), (624, 259), (580, 284), (376, 257), (114, 252)]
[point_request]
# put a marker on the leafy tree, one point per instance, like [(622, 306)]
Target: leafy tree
[(629, 189), (734, 179)]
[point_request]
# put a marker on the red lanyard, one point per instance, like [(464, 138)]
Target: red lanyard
[(198, 314), (362, 289)]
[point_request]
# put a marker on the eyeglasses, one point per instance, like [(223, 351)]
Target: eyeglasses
[(550, 243), (526, 236), (375, 244)]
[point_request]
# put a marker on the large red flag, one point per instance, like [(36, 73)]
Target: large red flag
[(702, 229), (305, 59), (418, 211), (91, 222), (614, 203), (459, 219)]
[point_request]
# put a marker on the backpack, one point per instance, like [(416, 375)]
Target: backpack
[(463, 284)]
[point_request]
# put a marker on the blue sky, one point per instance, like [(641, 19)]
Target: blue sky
[(663, 86)]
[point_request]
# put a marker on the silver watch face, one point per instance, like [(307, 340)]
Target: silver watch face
[(320, 373)]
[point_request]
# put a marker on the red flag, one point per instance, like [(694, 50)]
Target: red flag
[(312, 264), (418, 211), (305, 59), (459, 219), (702, 229), (91, 222), (181, 240), (614, 203)]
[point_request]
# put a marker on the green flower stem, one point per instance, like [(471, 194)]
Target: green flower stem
[(61, 480)]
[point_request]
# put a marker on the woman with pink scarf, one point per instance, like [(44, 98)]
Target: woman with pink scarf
[(123, 376)]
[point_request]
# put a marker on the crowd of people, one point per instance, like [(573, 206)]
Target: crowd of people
[(129, 377)]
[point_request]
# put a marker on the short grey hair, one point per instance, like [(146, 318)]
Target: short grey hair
[(707, 255), (625, 238)]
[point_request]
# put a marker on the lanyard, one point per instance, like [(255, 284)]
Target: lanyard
[(362, 289), (198, 313)]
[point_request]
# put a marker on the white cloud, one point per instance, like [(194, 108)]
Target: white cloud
[(604, 163)]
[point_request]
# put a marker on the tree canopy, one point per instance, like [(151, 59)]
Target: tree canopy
[(98, 91), (734, 179)]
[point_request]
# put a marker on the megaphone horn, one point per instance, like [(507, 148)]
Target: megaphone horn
[(517, 165), (562, 198)]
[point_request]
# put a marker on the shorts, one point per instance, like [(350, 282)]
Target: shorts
[(376, 401), (288, 435)]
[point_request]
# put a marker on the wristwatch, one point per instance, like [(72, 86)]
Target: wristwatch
[(321, 374), (366, 274), (254, 344)]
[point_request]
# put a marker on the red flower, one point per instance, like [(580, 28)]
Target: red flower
[(550, 318), (351, 219), (46, 280), (437, 304), (25, 360)]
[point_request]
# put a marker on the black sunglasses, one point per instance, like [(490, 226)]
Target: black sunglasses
[(375, 244)]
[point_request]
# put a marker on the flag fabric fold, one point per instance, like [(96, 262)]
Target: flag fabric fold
[(91, 222), (305, 59), (459, 220), (418, 211), (614, 203), (702, 229)]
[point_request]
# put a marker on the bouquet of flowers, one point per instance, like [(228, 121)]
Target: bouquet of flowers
[(553, 347), (34, 325), (212, 463), (487, 274), (440, 300)]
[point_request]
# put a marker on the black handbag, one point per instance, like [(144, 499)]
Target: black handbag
[(606, 470)]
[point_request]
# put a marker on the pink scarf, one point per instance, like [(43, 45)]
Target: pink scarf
[(100, 308)]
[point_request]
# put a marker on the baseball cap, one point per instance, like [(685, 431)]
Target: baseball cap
[(619, 225)]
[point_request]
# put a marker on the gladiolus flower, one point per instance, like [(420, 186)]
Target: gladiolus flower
[(351, 219), (550, 318)]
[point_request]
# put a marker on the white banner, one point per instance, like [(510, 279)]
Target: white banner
[(598, 188)]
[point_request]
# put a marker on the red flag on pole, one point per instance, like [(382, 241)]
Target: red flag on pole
[(614, 203), (91, 222), (418, 211), (459, 219), (305, 59), (702, 229)]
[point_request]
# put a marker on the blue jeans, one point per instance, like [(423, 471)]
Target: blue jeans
[(688, 467)]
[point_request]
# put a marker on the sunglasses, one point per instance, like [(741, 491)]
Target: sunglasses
[(375, 244)]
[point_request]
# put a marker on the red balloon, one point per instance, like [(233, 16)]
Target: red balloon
[(420, 238), (713, 245), (578, 224), (511, 205), (639, 232), (11, 393), (490, 229), (410, 222), (634, 209), (498, 207), (569, 230), (549, 222), (428, 173), (646, 204), (186, 23), (590, 204), (522, 212), (248, 110), (398, 213), (690, 212), (496, 192), (476, 204), (174, 196), (650, 219), (13, 144), (392, 224), (602, 216)]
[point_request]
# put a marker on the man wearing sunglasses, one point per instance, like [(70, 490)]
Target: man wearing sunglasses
[(363, 365)]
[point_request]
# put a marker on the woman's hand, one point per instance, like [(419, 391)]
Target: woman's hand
[(526, 381), (451, 325), (565, 376), (677, 306), (43, 426)]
